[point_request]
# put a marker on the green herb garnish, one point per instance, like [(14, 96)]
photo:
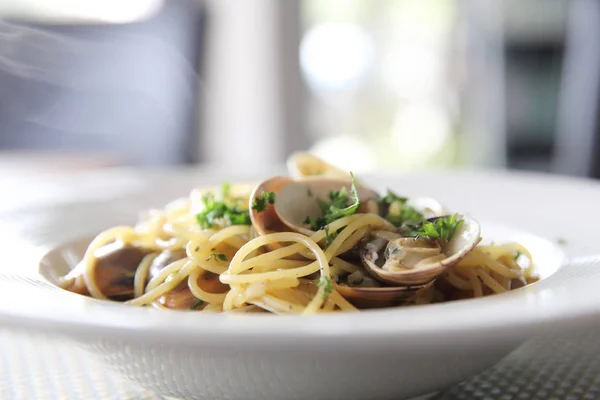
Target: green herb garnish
[(329, 238), (217, 256), (260, 203), (406, 213), (442, 228), (337, 207), (517, 255), (215, 210), (325, 281), (309, 193), (561, 241), (197, 304), (392, 197)]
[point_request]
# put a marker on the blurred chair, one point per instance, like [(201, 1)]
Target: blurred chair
[(577, 147), (128, 91)]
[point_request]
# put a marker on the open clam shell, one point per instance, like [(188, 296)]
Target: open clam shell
[(267, 221), (380, 297), (413, 261), (430, 207), (299, 199), (114, 273)]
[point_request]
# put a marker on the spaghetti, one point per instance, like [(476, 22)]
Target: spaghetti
[(241, 250)]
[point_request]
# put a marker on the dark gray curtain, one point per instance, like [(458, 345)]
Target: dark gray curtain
[(128, 90)]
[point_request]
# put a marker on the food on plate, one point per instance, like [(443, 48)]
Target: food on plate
[(318, 241)]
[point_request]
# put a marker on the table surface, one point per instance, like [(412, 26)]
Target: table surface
[(34, 366)]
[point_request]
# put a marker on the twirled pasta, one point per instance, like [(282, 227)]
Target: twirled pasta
[(229, 267)]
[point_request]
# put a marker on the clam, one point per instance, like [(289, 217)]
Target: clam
[(267, 221), (295, 200), (365, 291), (115, 270), (163, 260), (428, 206), (299, 199), (302, 164), (181, 297), (402, 267), (380, 297), (417, 261)]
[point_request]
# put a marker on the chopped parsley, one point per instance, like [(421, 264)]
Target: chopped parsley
[(517, 255), (561, 241), (325, 281), (219, 211), (309, 193), (337, 206), (406, 213), (196, 305), (442, 228), (329, 238), (260, 203), (217, 256), (392, 197)]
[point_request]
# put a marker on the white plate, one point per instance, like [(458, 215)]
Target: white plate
[(394, 353)]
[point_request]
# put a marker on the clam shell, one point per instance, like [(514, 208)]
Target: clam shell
[(298, 199), (267, 221), (380, 297), (115, 268), (430, 207), (464, 241)]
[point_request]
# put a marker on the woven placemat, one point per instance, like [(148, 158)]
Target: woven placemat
[(36, 367), (550, 368)]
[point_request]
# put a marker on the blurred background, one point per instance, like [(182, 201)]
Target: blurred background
[(387, 84)]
